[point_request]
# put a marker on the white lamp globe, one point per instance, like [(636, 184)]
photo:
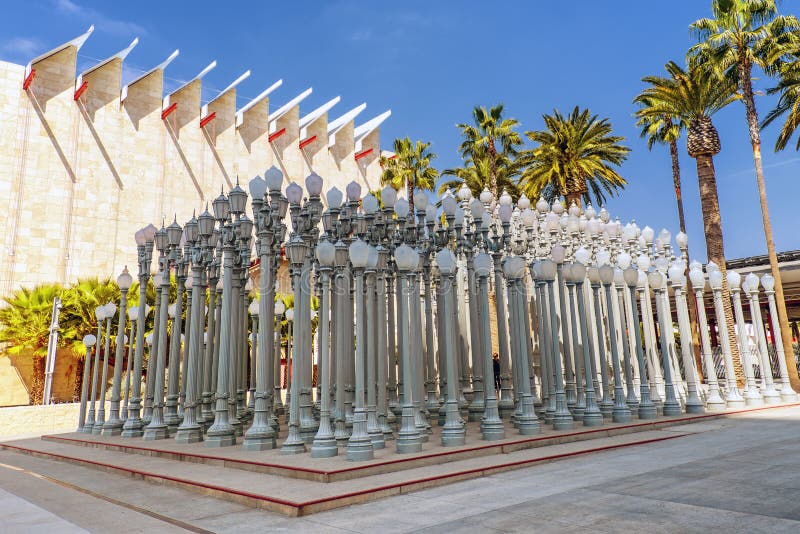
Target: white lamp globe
[(542, 206), (656, 280), (372, 258), (629, 233), (642, 282), (558, 253), (631, 276), (694, 264), (171, 311), (768, 282), (133, 314), (401, 208), (290, 314), (389, 196), (734, 279), (604, 215), (483, 264), (464, 194), (359, 253), (665, 236), (486, 196), (476, 208), (624, 260), (523, 202), (698, 278), (449, 205), (711, 266), (662, 264), (420, 200), (578, 272), (459, 217), (602, 257), (100, 313), (404, 257), (583, 256), (314, 184), (280, 307), (446, 261), (370, 204), (258, 187), (253, 308), (675, 272), (89, 340), (353, 191), (149, 339), (682, 240), (606, 274), (274, 178), (335, 197), (294, 193), (124, 280), (589, 211), (752, 282), (648, 234), (111, 309), (505, 198), (593, 226), (528, 217), (430, 212), (505, 213), (557, 207), (326, 253), (643, 262), (715, 279)]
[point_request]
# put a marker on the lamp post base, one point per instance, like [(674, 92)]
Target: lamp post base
[(220, 440), (153, 433), (324, 448), (647, 411), (112, 428), (592, 418), (191, 434), (671, 407)]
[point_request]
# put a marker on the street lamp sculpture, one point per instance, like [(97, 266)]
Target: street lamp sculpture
[(113, 427)]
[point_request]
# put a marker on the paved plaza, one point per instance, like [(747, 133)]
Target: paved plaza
[(739, 474)]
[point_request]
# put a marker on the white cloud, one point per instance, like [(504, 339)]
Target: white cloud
[(22, 47), (102, 22)]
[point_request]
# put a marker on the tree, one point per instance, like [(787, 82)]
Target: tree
[(492, 142), (743, 34), (695, 96), (575, 155), (788, 89), (409, 167), (476, 173)]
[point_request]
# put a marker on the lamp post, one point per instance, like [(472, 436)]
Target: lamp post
[(133, 315), (144, 246), (750, 287), (324, 445), (491, 424), (592, 416), (733, 398), (606, 404), (408, 438), (100, 315), (646, 408), (97, 429), (787, 393), (113, 427), (88, 342), (714, 401), (621, 413), (752, 395), (562, 418), (678, 279), (453, 432), (671, 406), (174, 374)]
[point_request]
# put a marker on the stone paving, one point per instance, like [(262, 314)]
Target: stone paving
[(740, 474)]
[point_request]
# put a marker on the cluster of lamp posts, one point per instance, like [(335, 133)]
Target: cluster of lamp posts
[(403, 337)]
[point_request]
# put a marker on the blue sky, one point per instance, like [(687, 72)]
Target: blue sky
[(431, 62)]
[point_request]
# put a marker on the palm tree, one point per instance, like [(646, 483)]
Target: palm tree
[(694, 97), (476, 173), (788, 89), (741, 35), (491, 141), (409, 168), (575, 156)]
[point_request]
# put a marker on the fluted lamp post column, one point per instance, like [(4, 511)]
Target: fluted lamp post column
[(89, 341), (592, 416), (752, 395), (100, 315), (733, 397), (714, 401), (646, 408), (786, 391), (768, 391), (408, 438), (324, 445), (491, 425), (621, 412), (677, 278), (671, 405), (113, 427)]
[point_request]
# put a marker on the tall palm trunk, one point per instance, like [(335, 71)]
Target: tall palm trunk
[(712, 225), (676, 181), (493, 169), (37, 382), (745, 69)]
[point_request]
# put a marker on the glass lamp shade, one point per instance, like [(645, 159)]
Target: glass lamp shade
[(464, 194), (694, 264), (359, 253), (578, 272), (372, 258), (245, 226), (446, 261), (294, 193), (486, 196), (682, 240), (274, 178), (401, 208), (552, 222), (150, 233), (574, 209), (149, 339), (528, 217), (459, 216), (326, 253), (353, 191), (280, 307), (335, 197), (253, 308), (133, 314), (711, 266), (258, 188), (369, 204), (505, 212), (603, 257), (171, 311), (248, 286), (100, 313), (124, 280), (624, 260), (697, 277), (514, 267), (476, 208), (631, 276), (665, 236), (604, 215), (583, 256), (573, 224), (648, 234), (191, 230), (388, 196), (139, 237), (237, 199), (314, 184), (430, 212), (547, 269), (542, 206), (483, 264), (734, 279), (404, 257), (642, 282), (296, 250), (420, 200), (752, 282), (205, 224), (523, 202), (449, 205), (557, 207), (341, 254), (675, 273), (558, 253), (662, 264), (593, 226), (629, 233), (643, 262), (157, 279), (589, 211), (214, 238), (89, 340), (174, 232), (111, 309), (161, 238), (619, 276), (505, 199), (221, 207), (383, 257), (290, 314), (606, 274), (656, 280), (594, 274), (768, 282)]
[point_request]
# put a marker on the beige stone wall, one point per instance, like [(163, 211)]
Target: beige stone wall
[(78, 178), (38, 420), (12, 388)]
